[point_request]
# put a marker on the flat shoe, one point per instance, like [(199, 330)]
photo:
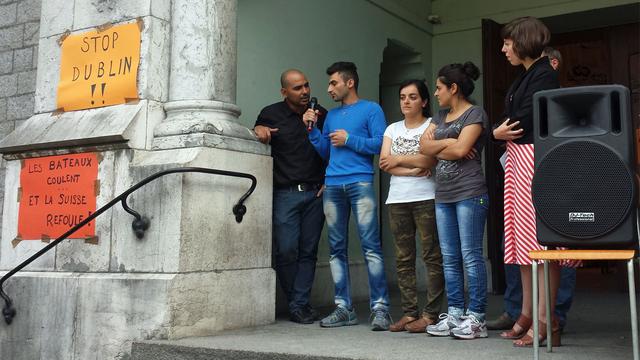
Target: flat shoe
[(419, 326), (503, 322), (400, 324)]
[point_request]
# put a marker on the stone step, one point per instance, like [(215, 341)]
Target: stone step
[(169, 351), (586, 337)]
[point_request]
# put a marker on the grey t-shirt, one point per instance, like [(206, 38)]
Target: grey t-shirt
[(460, 179)]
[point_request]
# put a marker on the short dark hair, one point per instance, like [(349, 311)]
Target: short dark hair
[(530, 36), (347, 71), (423, 90), (461, 74), (285, 75), (553, 54)]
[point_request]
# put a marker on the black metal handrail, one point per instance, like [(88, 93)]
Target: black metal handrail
[(139, 225)]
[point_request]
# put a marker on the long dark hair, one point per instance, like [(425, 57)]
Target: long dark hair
[(423, 90), (461, 74)]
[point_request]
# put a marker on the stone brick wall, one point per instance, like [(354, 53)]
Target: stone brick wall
[(19, 30), (19, 33)]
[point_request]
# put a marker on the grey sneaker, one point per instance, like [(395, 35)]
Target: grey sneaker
[(444, 326), (470, 328), (381, 320), (340, 317)]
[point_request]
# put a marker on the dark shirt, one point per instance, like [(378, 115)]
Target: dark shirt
[(295, 160), (460, 179), (518, 104)]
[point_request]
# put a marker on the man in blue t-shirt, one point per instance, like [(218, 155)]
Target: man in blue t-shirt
[(351, 136)]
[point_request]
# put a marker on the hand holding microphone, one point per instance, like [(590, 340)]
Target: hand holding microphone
[(313, 102)]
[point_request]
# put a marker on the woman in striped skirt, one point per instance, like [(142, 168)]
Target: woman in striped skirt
[(524, 40)]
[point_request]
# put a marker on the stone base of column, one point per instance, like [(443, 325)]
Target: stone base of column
[(196, 271), (97, 315), (209, 123)]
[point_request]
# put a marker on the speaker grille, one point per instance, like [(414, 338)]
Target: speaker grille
[(582, 189)]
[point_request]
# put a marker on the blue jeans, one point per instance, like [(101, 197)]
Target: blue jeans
[(461, 232), (339, 201), (513, 292), (297, 225), (565, 293)]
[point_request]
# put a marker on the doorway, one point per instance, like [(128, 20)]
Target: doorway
[(399, 62)]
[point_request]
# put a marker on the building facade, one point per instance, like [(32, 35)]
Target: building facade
[(206, 69)]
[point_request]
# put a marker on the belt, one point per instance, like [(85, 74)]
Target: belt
[(300, 187)]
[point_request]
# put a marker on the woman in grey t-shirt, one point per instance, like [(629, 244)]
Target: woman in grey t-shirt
[(461, 200)]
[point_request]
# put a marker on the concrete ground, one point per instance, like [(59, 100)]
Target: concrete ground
[(598, 328)]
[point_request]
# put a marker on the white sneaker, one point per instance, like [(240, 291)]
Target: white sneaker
[(470, 328), (444, 326)]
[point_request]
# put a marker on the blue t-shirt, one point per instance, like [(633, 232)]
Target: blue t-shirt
[(365, 124)]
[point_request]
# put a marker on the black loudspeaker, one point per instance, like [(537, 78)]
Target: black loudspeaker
[(584, 186)]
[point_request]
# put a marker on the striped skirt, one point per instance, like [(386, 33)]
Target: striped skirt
[(519, 214)]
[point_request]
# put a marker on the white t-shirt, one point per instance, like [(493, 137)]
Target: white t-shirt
[(404, 189)]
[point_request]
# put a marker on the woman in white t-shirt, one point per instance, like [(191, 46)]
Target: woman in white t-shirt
[(411, 207)]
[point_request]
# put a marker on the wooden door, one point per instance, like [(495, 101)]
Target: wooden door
[(498, 75)]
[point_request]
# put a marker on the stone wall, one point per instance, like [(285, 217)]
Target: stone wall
[(19, 29)]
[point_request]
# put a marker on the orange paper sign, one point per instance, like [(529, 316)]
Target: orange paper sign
[(99, 68), (57, 193)]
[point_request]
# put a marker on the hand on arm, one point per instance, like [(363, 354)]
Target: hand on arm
[(433, 147), (472, 154), (461, 147), (415, 165), (416, 160), (429, 146), (263, 133), (339, 137), (387, 161)]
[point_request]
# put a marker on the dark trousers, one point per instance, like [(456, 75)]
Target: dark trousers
[(297, 224)]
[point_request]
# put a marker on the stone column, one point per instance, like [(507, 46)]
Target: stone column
[(196, 271), (201, 110)]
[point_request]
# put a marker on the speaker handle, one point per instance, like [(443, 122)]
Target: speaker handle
[(616, 109), (543, 129)]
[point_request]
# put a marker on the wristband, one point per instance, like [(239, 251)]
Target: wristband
[(346, 139)]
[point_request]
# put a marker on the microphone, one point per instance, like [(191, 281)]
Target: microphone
[(313, 102)]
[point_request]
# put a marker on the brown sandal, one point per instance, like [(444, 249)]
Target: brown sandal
[(527, 340), (524, 323)]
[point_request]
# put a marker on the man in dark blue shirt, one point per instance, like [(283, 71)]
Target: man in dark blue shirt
[(298, 178)]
